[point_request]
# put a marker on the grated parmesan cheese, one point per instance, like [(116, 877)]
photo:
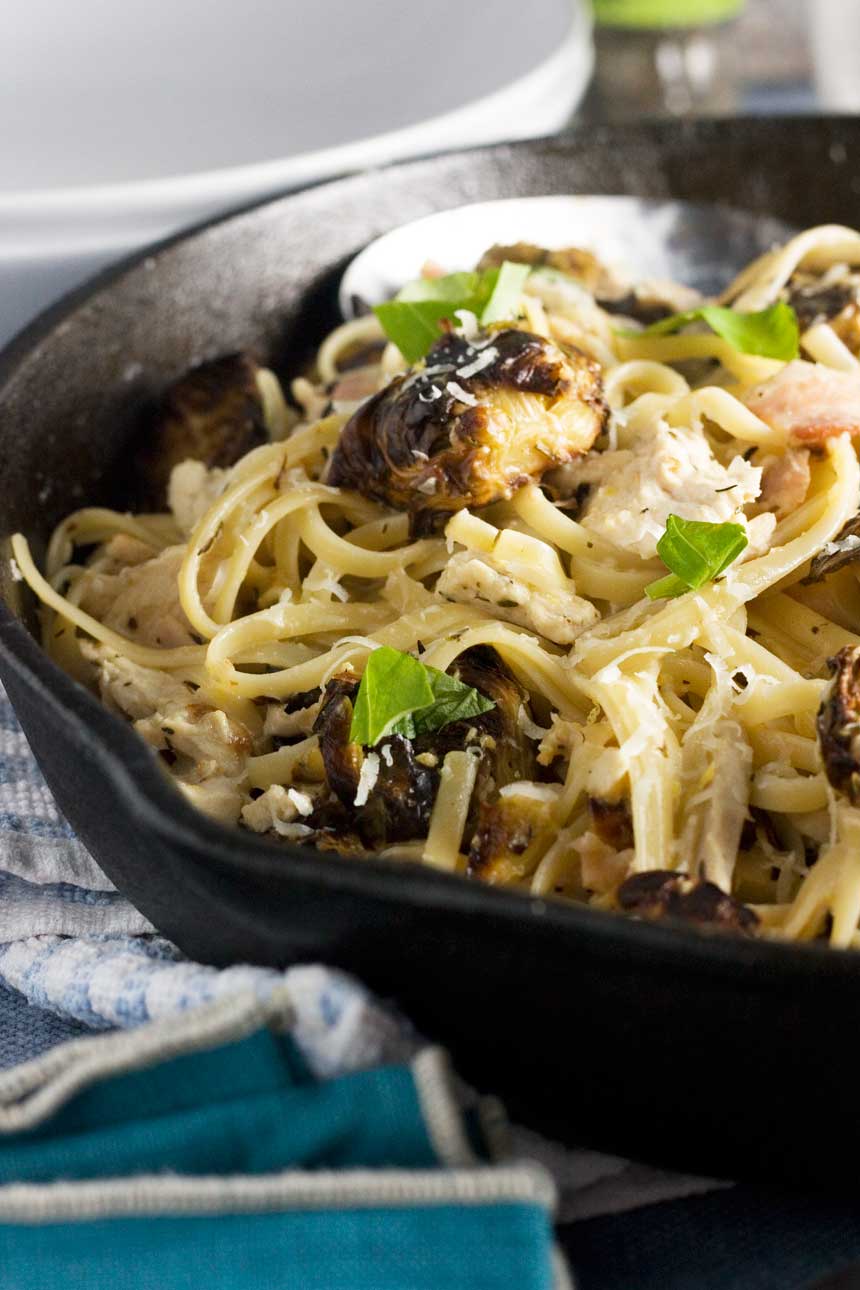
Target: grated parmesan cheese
[(457, 392), (303, 802), (529, 728), (367, 779), (637, 743), (612, 671), (323, 579), (485, 359), (534, 792), (468, 323), (849, 543), (292, 832)]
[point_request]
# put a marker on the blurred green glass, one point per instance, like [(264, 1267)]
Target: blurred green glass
[(664, 58), (664, 13)]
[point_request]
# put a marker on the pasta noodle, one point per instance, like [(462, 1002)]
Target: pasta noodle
[(685, 755)]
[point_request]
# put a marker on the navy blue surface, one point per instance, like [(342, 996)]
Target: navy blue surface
[(26, 1031), (748, 1238)]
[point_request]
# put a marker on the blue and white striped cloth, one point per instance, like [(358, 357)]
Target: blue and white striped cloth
[(72, 945)]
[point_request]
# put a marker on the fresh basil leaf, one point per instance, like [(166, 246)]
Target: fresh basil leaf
[(393, 686), (412, 319), (507, 289), (413, 325), (400, 695), (452, 701), (666, 588), (452, 288), (696, 552), (771, 333)]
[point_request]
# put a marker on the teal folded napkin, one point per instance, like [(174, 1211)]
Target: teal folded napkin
[(201, 1151)]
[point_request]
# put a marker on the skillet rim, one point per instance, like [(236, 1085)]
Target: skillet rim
[(148, 795)]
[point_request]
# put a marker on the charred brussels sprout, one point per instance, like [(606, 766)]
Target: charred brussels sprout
[(476, 421), (612, 822), (213, 414), (577, 263), (504, 845), (499, 732), (839, 724), (662, 893), (647, 302), (397, 797), (843, 550), (836, 302)]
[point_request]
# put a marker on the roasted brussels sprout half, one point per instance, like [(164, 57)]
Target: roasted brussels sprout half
[(844, 549), (662, 893), (839, 724), (504, 845), (477, 420), (509, 754), (400, 791), (512, 833), (646, 302), (612, 822), (213, 414), (836, 302), (577, 263), (398, 798)]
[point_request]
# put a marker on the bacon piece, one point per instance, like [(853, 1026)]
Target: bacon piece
[(356, 385), (809, 402)]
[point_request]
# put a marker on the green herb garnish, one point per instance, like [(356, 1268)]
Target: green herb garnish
[(413, 325), (412, 319), (771, 333), (399, 695), (505, 291), (453, 286), (696, 552)]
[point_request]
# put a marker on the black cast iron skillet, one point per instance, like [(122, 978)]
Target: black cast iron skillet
[(712, 1054)]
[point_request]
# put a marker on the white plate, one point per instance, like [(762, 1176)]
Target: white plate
[(700, 245)]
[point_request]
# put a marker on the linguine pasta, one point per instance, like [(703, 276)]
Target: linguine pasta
[(690, 755)]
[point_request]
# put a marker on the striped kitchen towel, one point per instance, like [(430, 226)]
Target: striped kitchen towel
[(70, 944)]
